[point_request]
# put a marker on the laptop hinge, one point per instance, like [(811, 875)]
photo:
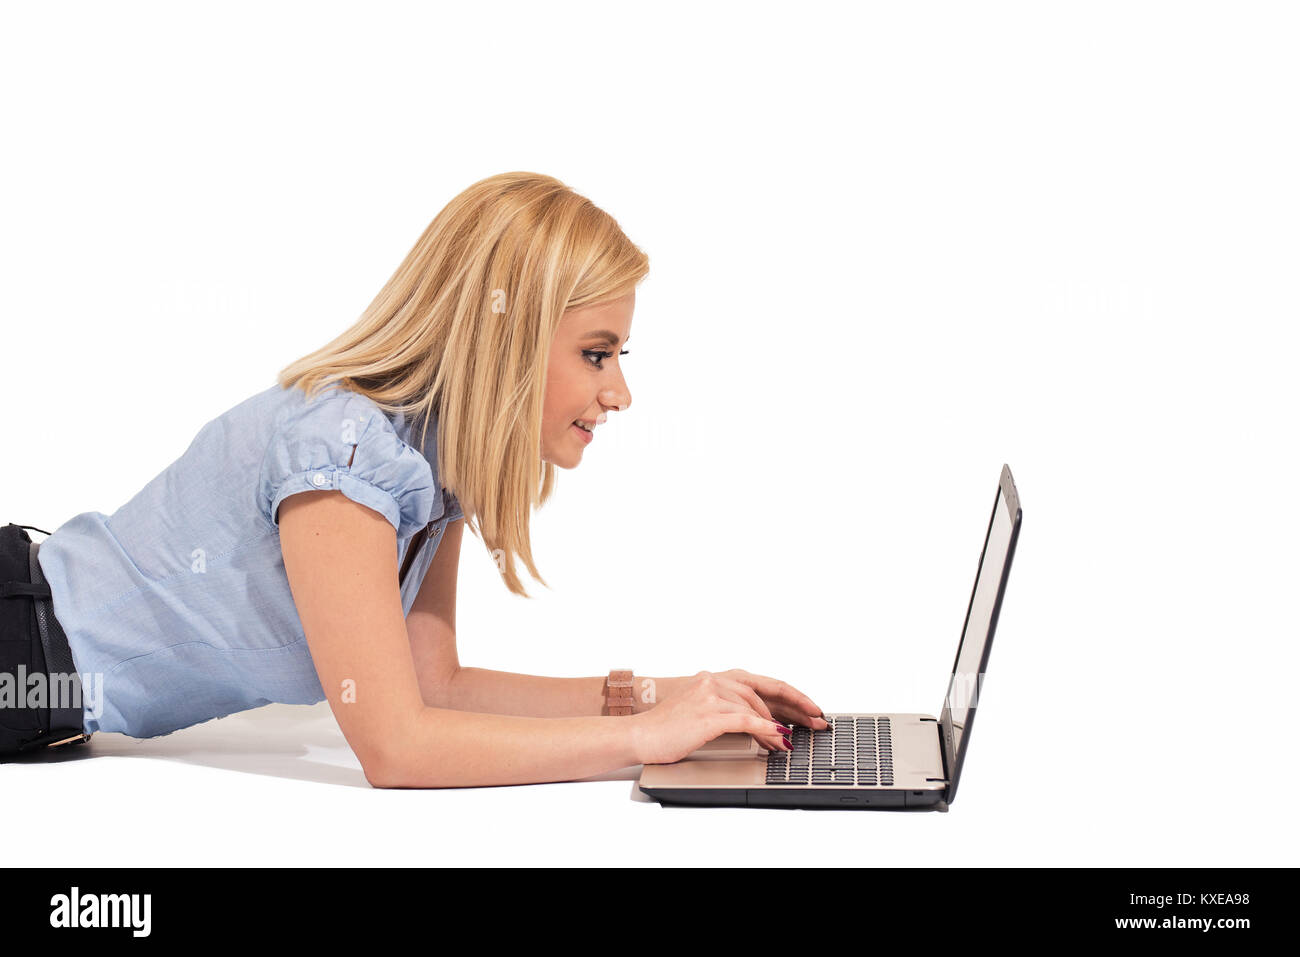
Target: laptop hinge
[(943, 753)]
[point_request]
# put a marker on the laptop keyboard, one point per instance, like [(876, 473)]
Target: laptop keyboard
[(851, 751)]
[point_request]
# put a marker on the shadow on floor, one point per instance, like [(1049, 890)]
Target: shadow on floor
[(299, 742), (296, 742)]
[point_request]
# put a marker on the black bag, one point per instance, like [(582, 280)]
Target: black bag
[(21, 650)]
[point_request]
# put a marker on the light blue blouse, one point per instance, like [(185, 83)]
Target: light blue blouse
[(177, 606)]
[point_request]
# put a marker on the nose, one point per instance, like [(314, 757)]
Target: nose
[(617, 398)]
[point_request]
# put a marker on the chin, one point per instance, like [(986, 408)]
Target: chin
[(571, 461)]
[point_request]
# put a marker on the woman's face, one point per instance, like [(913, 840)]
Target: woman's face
[(583, 377)]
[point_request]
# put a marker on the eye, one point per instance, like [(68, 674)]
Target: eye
[(595, 356)]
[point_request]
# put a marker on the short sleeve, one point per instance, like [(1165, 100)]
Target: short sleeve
[(312, 449)]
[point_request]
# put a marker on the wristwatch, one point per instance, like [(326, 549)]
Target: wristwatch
[(618, 692)]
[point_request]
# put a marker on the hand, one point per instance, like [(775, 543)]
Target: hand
[(788, 705), (703, 706)]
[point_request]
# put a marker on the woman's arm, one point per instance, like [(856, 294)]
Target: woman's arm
[(445, 684), (504, 692), (341, 561)]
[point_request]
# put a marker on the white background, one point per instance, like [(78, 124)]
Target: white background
[(892, 247)]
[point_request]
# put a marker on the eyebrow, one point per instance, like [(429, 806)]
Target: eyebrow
[(607, 336)]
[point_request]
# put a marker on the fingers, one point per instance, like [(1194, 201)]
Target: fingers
[(762, 730), (799, 721), (737, 716), (748, 695), (729, 689), (744, 694), (788, 700)]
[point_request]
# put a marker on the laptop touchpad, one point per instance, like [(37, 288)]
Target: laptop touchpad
[(732, 741)]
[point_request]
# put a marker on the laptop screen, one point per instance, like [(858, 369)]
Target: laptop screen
[(966, 683)]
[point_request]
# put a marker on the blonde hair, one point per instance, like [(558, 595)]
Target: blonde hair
[(463, 329)]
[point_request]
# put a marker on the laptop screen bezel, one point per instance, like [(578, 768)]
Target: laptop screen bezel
[(1007, 494)]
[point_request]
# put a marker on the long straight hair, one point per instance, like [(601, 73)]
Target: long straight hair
[(462, 331)]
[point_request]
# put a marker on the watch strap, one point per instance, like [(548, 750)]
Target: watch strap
[(618, 692)]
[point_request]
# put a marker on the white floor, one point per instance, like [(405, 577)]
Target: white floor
[(279, 786)]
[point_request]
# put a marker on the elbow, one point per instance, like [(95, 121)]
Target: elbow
[(385, 767), (380, 781), (398, 768), (404, 759), (389, 754), (396, 772), (382, 773), (398, 776)]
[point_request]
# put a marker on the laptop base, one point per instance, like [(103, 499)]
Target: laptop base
[(804, 798), (732, 770)]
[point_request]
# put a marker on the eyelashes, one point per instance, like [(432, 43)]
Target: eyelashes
[(598, 355)]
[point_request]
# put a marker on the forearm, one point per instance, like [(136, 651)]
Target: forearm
[(503, 692), (446, 748)]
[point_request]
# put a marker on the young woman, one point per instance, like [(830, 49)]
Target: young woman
[(305, 545)]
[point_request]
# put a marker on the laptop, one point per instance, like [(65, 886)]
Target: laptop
[(863, 761)]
